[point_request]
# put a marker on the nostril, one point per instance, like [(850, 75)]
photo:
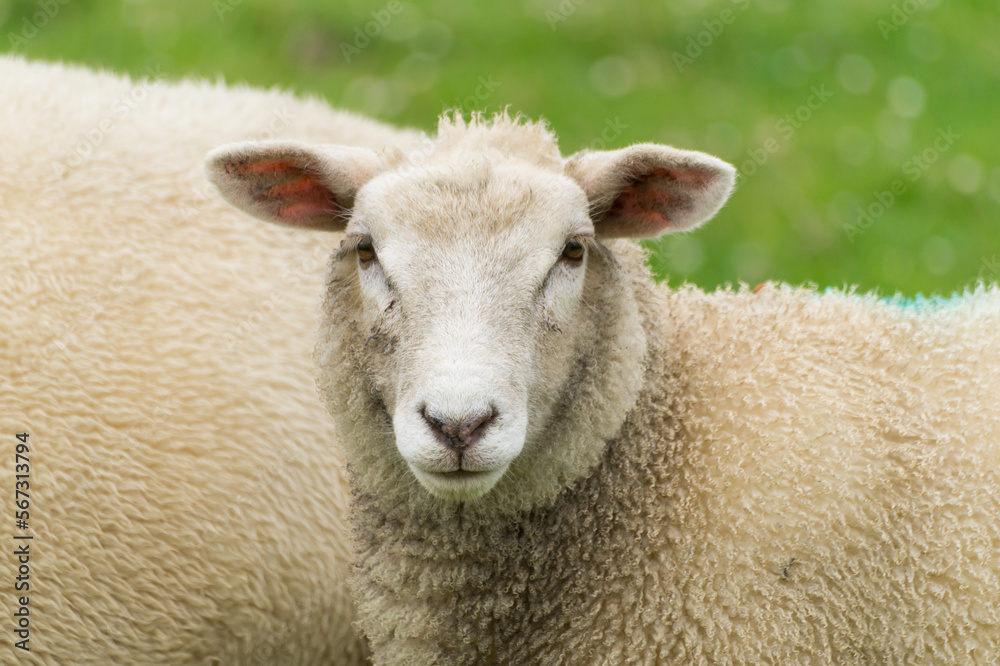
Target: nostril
[(470, 428), (459, 432)]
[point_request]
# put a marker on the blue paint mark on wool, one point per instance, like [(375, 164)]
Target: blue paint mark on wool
[(917, 302), (923, 302)]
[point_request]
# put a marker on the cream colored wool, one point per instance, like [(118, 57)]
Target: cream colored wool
[(187, 494), (777, 476)]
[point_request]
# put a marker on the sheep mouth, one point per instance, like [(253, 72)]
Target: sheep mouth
[(461, 474), (459, 484)]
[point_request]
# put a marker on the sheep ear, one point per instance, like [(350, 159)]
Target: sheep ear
[(647, 190), (290, 183)]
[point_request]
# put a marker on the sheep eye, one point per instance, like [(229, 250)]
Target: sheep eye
[(573, 251), (366, 252)]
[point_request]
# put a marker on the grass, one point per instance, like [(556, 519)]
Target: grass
[(607, 74)]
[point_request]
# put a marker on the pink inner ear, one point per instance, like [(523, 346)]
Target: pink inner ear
[(306, 186), (308, 209), (636, 210), (644, 207), (302, 198), (276, 167), (287, 191), (694, 176)]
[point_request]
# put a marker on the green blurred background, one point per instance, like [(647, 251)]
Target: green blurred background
[(825, 107)]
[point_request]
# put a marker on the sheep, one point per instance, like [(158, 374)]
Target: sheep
[(554, 461), (187, 491)]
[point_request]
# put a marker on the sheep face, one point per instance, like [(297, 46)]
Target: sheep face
[(468, 278), (479, 330)]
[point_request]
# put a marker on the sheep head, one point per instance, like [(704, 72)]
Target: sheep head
[(479, 330)]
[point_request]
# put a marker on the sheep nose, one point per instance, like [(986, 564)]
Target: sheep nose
[(459, 432)]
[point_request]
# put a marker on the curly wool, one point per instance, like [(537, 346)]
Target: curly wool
[(187, 491), (805, 478)]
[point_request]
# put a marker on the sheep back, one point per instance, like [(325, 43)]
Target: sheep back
[(187, 494)]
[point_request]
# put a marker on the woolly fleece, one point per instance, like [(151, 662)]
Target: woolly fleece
[(801, 478), (187, 492)]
